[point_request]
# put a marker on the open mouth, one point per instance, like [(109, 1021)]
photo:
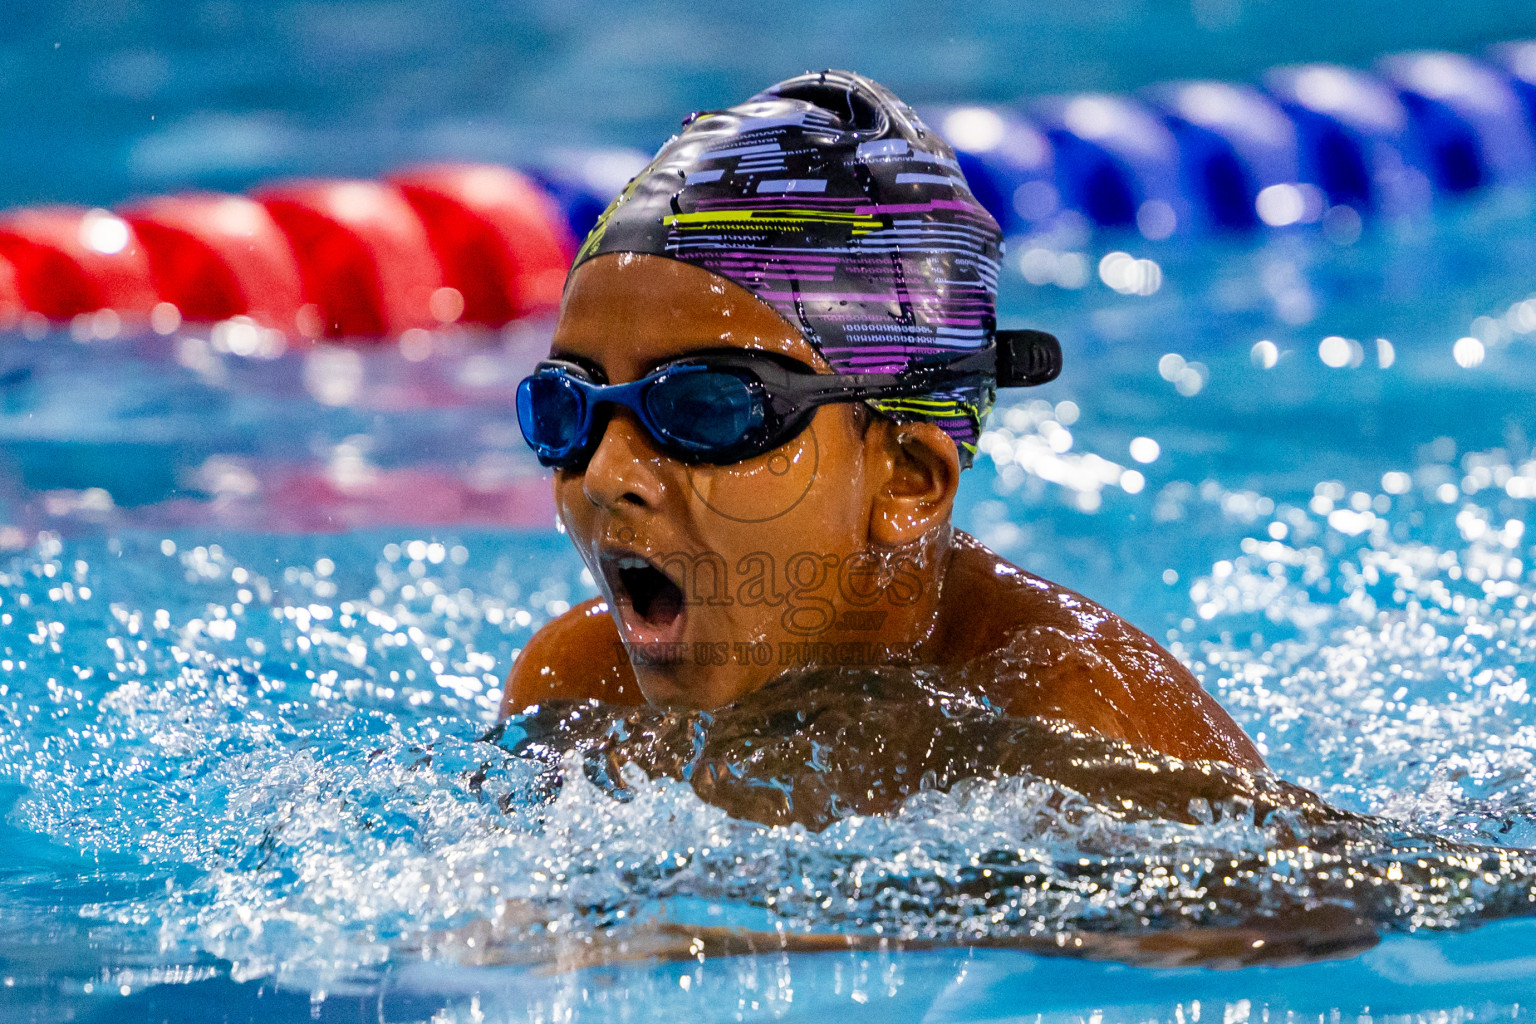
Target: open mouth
[(650, 603), (655, 598)]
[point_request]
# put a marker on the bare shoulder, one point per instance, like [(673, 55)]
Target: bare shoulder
[(574, 657), (1065, 656)]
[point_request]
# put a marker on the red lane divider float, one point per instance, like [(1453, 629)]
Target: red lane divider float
[(11, 308), (219, 256), (364, 257), (68, 261), (500, 240), (352, 260)]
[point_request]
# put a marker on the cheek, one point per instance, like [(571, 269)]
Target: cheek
[(806, 496), (572, 509), (762, 491)]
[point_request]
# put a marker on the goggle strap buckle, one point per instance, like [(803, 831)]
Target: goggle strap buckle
[(1026, 358)]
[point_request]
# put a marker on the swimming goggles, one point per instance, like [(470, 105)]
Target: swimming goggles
[(724, 406)]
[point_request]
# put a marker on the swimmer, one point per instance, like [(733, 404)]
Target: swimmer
[(775, 354)]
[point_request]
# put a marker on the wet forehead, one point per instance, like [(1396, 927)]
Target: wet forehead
[(629, 312)]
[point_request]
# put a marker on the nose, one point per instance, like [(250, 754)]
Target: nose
[(624, 469)]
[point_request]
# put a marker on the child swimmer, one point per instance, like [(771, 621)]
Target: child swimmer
[(775, 354)]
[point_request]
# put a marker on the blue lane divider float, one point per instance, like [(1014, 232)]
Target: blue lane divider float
[(1467, 116), (1354, 138), (1518, 62), (1116, 162), (1240, 160), (1193, 157)]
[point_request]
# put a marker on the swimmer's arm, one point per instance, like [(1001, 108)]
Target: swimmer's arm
[(516, 937), (1300, 937), (574, 657)]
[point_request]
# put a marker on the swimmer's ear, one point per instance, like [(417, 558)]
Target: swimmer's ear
[(915, 470)]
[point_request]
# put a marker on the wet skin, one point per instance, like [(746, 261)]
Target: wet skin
[(841, 536)]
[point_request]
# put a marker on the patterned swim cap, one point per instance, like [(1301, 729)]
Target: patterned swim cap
[(828, 199)]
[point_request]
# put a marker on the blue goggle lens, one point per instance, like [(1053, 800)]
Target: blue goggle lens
[(549, 410), (703, 412)]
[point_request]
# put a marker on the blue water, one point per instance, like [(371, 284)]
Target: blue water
[(254, 612), (239, 743)]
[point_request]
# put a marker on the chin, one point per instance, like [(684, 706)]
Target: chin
[(667, 685), (690, 686)]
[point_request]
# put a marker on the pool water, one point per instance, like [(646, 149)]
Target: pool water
[(255, 611)]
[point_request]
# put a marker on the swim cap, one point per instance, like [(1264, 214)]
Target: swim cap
[(828, 199)]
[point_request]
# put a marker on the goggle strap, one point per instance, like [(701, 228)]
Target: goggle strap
[(1018, 358)]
